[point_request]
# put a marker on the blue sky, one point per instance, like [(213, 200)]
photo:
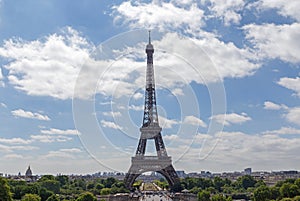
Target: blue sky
[(73, 74)]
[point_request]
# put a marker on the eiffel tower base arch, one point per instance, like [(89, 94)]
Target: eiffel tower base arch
[(142, 164)]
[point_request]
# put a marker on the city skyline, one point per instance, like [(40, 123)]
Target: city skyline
[(73, 74)]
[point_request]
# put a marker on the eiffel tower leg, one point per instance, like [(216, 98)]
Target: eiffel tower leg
[(141, 147), (129, 180), (170, 174)]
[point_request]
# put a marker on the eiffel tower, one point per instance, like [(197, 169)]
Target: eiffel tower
[(150, 130)]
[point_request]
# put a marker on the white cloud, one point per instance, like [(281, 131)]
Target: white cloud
[(14, 141), (171, 137), (261, 152), (112, 114), (183, 2), (268, 105), (5, 148), (3, 105), (194, 121), (13, 156), (162, 15), (177, 92), (275, 41), (110, 124), (136, 108), (201, 136), (291, 83), (284, 131), (293, 115), (64, 153), (50, 138), (137, 96), (9, 148), (232, 118), (30, 115), (54, 73), (46, 67), (229, 11), (55, 131), (215, 61), (72, 150), (285, 8), (167, 123), (260, 147)]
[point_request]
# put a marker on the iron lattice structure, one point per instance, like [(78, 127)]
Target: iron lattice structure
[(150, 130)]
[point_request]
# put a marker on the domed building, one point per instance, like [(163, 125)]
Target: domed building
[(28, 172)]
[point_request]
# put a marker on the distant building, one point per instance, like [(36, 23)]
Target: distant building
[(28, 172), (181, 174), (248, 171)]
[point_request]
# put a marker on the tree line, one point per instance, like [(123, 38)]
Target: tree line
[(245, 187), (59, 188), (63, 188)]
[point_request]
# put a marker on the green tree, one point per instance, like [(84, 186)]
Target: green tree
[(176, 187), (51, 185), (53, 198), (279, 183), (81, 183), (86, 197), (109, 182), (18, 191), (260, 183), (5, 193), (99, 186), (118, 187), (204, 183), (31, 197), (286, 199), (297, 182), (203, 196), (262, 193), (218, 197), (227, 189), (218, 183), (62, 179), (288, 190), (47, 177), (247, 181), (190, 183), (274, 192), (195, 190), (45, 194), (90, 185), (137, 184), (118, 184), (105, 191)]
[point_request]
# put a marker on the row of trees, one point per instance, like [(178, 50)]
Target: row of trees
[(246, 187), (50, 188)]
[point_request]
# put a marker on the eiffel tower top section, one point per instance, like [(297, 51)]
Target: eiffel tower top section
[(150, 109), (149, 48)]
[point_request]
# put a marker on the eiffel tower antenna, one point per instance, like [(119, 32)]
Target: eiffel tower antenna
[(150, 130)]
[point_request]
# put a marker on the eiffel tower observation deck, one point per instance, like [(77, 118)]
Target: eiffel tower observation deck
[(150, 130)]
